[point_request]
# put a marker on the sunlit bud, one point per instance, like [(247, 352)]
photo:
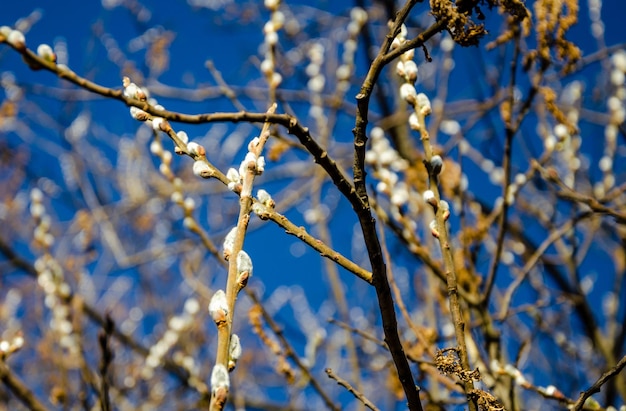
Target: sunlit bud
[(139, 114), (165, 169), (267, 67), (202, 169), (276, 80), (397, 42), (177, 197), (260, 165), (278, 18), (408, 93), (358, 15), (410, 71), (218, 307), (159, 123), (45, 52), (234, 351), (408, 55), (343, 72), (192, 306), (130, 89), (560, 130), (424, 104), (16, 39), (189, 204), (229, 242), (619, 60), (253, 143), (234, 183), (37, 210), (166, 157), (190, 223), (272, 5), (219, 378), (403, 31), (414, 122), (446, 209), (433, 229), (436, 164), (271, 38), (36, 195), (156, 148), (400, 68), (233, 175), (265, 198), (196, 149), (248, 163), (269, 28), (4, 32), (183, 136), (429, 197), (244, 263)]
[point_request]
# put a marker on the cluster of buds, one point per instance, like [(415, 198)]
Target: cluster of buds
[(252, 164), (358, 18), (9, 346), (270, 30), (387, 164), (316, 83), (133, 91), (50, 277), (406, 68), (617, 115), (176, 327)]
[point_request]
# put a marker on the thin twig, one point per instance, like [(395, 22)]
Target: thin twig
[(19, 389), (580, 403), (358, 395)]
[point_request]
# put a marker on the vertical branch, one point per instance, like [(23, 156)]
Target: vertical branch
[(368, 223), (237, 280), (105, 362)]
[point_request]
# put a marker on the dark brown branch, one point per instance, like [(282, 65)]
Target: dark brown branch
[(368, 223), (599, 383), (19, 389)]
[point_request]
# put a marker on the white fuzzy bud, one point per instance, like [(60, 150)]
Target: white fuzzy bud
[(234, 351), (414, 122), (16, 39), (219, 378), (233, 175), (265, 198), (189, 204), (139, 114), (433, 229), (202, 169), (408, 93), (156, 148), (260, 165), (244, 263), (195, 149), (410, 71), (183, 136), (424, 104), (218, 307), (248, 161), (229, 242), (45, 52), (272, 5)]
